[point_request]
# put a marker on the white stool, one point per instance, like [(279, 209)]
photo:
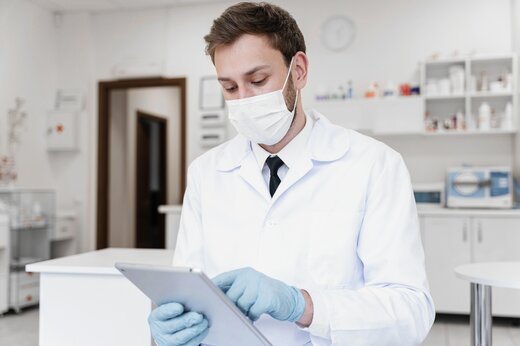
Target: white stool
[(482, 277)]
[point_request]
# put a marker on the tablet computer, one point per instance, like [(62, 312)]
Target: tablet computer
[(192, 288)]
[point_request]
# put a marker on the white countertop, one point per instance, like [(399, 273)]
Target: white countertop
[(433, 211), (102, 261), (426, 211), (497, 274), (165, 209)]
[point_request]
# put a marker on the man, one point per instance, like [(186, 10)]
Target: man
[(310, 228)]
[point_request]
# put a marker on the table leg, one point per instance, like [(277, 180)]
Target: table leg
[(480, 318)]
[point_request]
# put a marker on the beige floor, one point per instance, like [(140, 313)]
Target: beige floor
[(22, 330), (19, 329)]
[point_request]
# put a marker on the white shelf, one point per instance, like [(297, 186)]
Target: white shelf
[(491, 94), (445, 97), (449, 61), (492, 58), (35, 226), (470, 133)]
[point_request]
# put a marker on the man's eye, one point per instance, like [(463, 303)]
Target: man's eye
[(230, 89)]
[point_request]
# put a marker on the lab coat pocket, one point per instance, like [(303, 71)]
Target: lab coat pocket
[(332, 256)]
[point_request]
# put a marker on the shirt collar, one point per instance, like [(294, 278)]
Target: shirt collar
[(327, 142), (291, 152)]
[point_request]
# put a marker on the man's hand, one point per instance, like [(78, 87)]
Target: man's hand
[(171, 326), (255, 294)]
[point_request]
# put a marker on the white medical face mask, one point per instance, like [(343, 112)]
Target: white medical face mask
[(263, 119)]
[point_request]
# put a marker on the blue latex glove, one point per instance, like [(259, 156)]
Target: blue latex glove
[(171, 326), (255, 294)]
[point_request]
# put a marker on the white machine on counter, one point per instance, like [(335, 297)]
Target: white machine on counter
[(479, 187)]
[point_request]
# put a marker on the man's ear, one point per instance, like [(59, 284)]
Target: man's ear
[(299, 73)]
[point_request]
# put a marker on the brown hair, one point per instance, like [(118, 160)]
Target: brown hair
[(256, 19)]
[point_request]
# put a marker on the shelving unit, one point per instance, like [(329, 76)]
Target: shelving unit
[(480, 84), (31, 225)]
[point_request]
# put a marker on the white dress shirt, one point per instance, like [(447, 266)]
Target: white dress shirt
[(289, 154)]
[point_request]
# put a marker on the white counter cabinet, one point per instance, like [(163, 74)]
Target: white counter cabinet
[(446, 246), (454, 238), (85, 301)]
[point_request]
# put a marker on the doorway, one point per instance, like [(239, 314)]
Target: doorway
[(141, 159), (151, 183)]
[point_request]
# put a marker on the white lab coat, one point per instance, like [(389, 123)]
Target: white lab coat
[(343, 225)]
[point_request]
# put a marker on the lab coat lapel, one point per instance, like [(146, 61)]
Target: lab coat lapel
[(253, 176), (294, 174)]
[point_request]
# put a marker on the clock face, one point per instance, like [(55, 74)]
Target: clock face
[(338, 33)]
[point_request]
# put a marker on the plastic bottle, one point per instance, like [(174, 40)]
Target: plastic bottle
[(460, 121), (484, 117), (507, 122)]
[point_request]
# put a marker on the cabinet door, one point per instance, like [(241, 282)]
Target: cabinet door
[(498, 239), (446, 246)]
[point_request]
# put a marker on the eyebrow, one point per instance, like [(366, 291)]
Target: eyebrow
[(248, 73)]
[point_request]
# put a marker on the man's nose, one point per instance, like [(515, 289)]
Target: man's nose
[(244, 92)]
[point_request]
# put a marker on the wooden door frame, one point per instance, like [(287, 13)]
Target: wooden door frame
[(104, 89), (164, 158)]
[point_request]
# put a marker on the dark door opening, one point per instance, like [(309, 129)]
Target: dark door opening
[(104, 158), (151, 183)]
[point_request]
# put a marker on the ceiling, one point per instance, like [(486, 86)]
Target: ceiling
[(112, 5)]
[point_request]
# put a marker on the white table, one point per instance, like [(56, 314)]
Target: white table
[(482, 277), (85, 301)]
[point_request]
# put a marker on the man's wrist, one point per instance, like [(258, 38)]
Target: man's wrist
[(306, 319)]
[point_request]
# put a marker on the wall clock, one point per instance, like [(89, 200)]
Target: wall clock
[(337, 33)]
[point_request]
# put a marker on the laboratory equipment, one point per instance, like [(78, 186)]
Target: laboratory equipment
[(430, 195), (479, 187)]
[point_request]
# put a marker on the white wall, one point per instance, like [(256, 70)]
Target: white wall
[(28, 70), (75, 70), (392, 36)]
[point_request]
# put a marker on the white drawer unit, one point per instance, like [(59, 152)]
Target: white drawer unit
[(24, 289)]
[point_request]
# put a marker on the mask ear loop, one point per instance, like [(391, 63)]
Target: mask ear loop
[(288, 74), (297, 91)]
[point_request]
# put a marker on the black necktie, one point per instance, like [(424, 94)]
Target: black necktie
[(274, 163)]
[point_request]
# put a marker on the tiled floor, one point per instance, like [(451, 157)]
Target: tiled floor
[(449, 330), (22, 330)]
